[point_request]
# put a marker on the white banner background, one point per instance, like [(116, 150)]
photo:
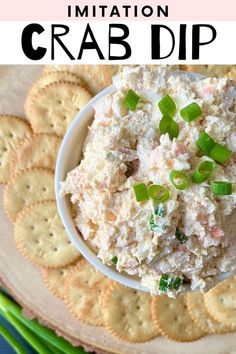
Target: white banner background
[(221, 51)]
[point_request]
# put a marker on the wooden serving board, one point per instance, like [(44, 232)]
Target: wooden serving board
[(24, 281)]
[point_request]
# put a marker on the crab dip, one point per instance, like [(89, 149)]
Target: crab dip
[(155, 186)]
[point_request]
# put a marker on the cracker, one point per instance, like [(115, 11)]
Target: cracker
[(55, 279), (12, 130), (173, 320), (220, 302), (96, 77), (40, 151), (127, 314), (47, 79), (55, 106), (28, 187), (40, 236), (84, 292), (199, 314), (209, 70)]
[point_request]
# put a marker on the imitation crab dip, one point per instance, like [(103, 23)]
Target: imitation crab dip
[(156, 182)]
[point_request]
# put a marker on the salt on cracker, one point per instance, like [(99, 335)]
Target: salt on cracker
[(84, 292), (220, 302), (40, 236), (39, 151), (47, 79), (55, 279), (127, 314), (96, 77), (173, 320), (199, 314), (28, 187), (12, 130), (55, 106)]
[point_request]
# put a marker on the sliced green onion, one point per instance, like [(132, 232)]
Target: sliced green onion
[(203, 172), (153, 226), (167, 105), (158, 193), (179, 179), (220, 153), (131, 100), (191, 112), (221, 188), (180, 235), (141, 192), (205, 143), (169, 125), (164, 282), (114, 260), (175, 283)]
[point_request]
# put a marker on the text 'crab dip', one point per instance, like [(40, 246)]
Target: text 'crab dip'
[(156, 183)]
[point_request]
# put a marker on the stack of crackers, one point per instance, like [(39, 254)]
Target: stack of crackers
[(28, 152)]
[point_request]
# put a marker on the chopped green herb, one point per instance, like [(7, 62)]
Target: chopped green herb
[(167, 105), (114, 260), (141, 192), (158, 193), (221, 188), (161, 211), (191, 112), (180, 235), (179, 179), (220, 153), (164, 282), (131, 100), (175, 283), (168, 125)]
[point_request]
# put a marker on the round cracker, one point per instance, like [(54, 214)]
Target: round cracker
[(173, 320), (55, 279), (55, 106), (39, 151), (84, 291), (41, 237), (26, 188), (209, 70), (49, 78), (127, 314), (12, 130), (220, 302), (199, 314), (96, 77)]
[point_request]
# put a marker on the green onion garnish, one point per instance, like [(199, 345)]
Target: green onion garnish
[(167, 106), (114, 260), (131, 100), (203, 172), (164, 282), (179, 179), (141, 192), (169, 125), (175, 283), (220, 153), (221, 188), (191, 112), (205, 143), (158, 193), (180, 235)]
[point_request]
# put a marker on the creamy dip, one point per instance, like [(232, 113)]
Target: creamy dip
[(184, 238)]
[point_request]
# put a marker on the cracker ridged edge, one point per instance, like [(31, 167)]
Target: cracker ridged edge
[(166, 334), (12, 180), (107, 294), (21, 249)]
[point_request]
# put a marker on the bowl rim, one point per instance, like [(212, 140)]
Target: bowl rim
[(62, 207), (73, 233)]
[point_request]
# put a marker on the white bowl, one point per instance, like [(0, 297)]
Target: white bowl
[(68, 158)]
